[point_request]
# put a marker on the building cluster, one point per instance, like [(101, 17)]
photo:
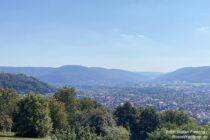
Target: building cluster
[(190, 98)]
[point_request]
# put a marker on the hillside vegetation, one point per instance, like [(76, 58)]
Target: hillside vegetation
[(75, 75), (24, 84), (190, 74), (65, 117), (80, 75)]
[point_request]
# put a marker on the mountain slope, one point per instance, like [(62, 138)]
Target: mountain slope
[(79, 75), (189, 74), (24, 84)]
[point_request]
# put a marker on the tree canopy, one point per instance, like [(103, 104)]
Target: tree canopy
[(64, 116), (33, 117)]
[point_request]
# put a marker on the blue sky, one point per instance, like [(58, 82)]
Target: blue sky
[(136, 35)]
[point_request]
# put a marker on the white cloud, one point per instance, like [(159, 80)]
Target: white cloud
[(132, 36), (124, 35), (203, 29), (140, 36)]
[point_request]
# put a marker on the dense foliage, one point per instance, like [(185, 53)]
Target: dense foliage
[(33, 117), (58, 114), (8, 106), (65, 117), (147, 124), (24, 84)]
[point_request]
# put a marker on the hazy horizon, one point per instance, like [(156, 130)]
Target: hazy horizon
[(132, 35), (86, 66), (103, 67)]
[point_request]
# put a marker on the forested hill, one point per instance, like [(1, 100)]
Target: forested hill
[(24, 84), (188, 74), (80, 75)]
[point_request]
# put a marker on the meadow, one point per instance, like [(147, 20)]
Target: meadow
[(10, 136), (13, 138)]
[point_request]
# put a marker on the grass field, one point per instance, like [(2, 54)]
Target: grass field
[(10, 136)]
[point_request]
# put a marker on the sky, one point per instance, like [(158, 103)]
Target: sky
[(135, 35)]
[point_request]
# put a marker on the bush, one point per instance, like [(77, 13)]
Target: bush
[(160, 134), (67, 96), (58, 114), (33, 117), (80, 133), (8, 105)]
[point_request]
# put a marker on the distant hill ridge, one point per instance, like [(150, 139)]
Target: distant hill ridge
[(80, 75), (24, 84), (188, 74)]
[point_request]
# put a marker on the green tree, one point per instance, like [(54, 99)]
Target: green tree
[(86, 108), (207, 130), (101, 122), (120, 133), (85, 112), (8, 106), (58, 114), (80, 133), (148, 122), (126, 116), (68, 97), (160, 134), (94, 115), (33, 117), (6, 122), (173, 119), (87, 104)]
